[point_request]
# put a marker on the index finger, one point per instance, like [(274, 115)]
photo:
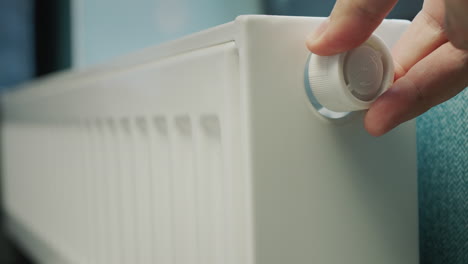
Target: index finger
[(349, 25)]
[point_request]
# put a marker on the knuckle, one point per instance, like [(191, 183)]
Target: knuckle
[(366, 11), (434, 23), (458, 39), (461, 57), (420, 96), (457, 33)]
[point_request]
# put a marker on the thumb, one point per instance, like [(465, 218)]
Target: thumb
[(349, 25)]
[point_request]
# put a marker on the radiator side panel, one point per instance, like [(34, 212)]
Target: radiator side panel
[(323, 191)]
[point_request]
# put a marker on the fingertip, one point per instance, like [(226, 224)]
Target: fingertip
[(337, 38), (373, 126), (320, 48), (333, 37), (311, 44), (383, 114), (350, 24), (328, 44), (314, 41)]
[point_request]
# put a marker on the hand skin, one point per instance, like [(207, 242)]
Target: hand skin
[(431, 57)]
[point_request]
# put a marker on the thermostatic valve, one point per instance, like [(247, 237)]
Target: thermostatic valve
[(352, 80)]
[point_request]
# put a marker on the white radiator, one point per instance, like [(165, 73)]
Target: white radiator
[(205, 151)]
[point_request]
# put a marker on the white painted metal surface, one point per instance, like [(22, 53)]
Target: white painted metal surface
[(205, 151)]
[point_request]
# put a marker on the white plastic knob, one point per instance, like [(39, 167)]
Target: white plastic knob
[(352, 80)]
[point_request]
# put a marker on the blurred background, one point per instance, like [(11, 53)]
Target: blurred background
[(42, 37)]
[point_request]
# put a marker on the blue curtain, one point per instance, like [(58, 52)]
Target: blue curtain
[(16, 42)]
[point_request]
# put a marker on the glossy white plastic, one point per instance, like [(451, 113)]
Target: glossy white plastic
[(352, 80)]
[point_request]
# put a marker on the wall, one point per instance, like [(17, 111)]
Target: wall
[(405, 9), (104, 29)]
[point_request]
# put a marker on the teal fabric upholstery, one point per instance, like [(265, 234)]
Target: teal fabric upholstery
[(442, 135)]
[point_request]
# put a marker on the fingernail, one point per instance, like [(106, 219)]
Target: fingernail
[(317, 34)]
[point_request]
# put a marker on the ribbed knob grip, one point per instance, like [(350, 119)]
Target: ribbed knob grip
[(352, 80)]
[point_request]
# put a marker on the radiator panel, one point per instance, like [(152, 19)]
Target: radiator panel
[(206, 150), (131, 177)]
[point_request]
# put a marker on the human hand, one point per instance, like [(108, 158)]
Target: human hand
[(431, 57)]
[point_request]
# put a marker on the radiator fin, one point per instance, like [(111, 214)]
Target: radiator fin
[(120, 168)]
